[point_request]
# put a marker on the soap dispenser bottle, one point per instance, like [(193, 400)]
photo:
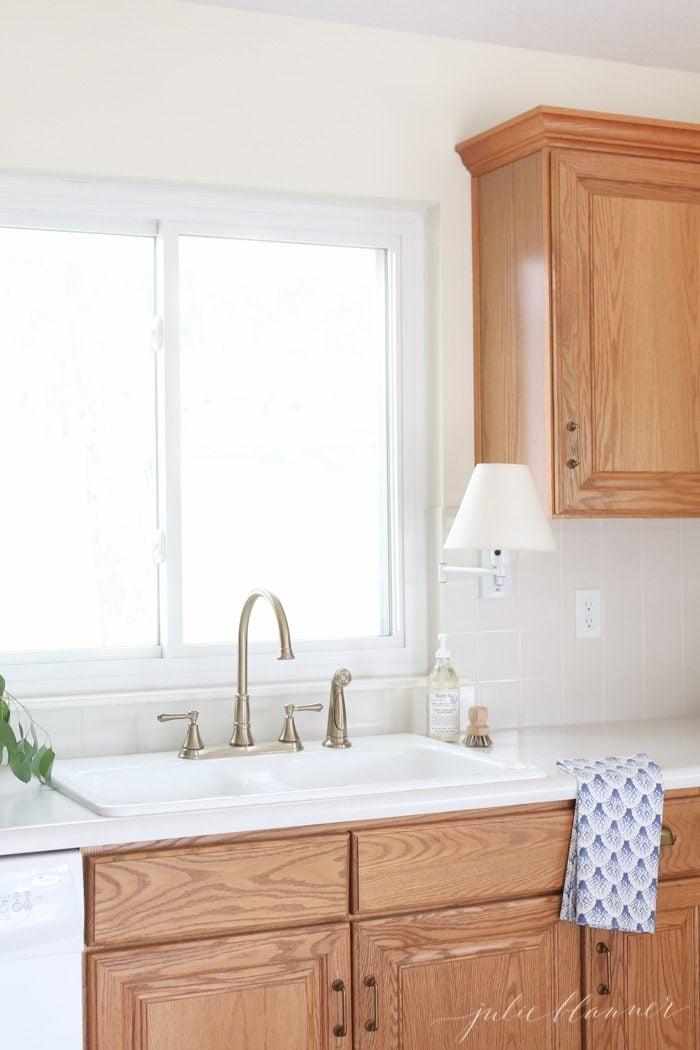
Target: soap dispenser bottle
[(442, 702)]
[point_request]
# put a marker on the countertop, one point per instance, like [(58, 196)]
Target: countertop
[(35, 818)]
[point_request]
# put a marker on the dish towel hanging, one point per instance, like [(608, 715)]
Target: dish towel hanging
[(613, 866)]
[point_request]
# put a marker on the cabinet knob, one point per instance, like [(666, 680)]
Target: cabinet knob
[(667, 836)]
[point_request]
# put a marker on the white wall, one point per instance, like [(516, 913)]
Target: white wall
[(160, 89), (166, 90)]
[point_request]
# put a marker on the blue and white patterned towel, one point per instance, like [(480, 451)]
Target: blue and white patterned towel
[(613, 865)]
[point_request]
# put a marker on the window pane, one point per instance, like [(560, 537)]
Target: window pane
[(284, 448), (77, 455)]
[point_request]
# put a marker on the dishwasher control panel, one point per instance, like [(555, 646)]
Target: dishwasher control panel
[(39, 892)]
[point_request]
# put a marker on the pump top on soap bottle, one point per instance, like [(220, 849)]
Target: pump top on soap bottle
[(442, 700)]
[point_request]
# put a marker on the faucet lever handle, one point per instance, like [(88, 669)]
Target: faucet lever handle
[(289, 733), (193, 742)]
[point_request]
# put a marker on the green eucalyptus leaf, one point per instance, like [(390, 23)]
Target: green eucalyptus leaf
[(19, 738), (43, 764), (8, 740), (21, 764)]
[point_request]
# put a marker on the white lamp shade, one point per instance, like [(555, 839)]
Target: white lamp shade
[(501, 511)]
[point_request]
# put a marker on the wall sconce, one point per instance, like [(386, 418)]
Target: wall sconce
[(500, 512)]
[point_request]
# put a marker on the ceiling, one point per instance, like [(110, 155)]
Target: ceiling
[(664, 33)]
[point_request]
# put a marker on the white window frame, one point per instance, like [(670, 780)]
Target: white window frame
[(165, 212)]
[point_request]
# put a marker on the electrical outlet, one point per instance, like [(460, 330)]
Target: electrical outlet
[(588, 614)]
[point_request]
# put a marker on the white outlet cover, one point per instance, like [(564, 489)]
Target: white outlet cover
[(588, 616)]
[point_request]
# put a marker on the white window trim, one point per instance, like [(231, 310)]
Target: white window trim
[(159, 211)]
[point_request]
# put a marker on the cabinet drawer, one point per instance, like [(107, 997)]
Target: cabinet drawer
[(184, 893), (399, 869), (682, 817)]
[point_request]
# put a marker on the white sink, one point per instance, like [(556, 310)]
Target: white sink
[(160, 783)]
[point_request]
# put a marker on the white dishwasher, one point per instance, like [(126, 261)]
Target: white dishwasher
[(41, 942)]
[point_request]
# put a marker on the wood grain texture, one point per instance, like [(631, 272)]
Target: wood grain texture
[(259, 992), (512, 333), (654, 1002), (548, 126), (682, 859), (473, 860), (626, 234), (196, 891), (491, 977), (614, 239)]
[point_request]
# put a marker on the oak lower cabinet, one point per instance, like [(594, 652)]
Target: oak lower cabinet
[(490, 977), (266, 991), (641, 992), (236, 944), (423, 934), (586, 240)]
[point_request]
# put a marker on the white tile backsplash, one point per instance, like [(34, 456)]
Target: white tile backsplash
[(622, 552), (584, 699), (661, 549), (648, 658), (582, 552), (622, 599), (540, 652), (497, 655)]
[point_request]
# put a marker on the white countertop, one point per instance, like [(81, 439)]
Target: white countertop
[(35, 818)]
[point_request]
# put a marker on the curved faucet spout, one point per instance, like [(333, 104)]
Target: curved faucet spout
[(242, 735)]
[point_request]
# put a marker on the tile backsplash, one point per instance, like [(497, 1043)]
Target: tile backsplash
[(523, 654)]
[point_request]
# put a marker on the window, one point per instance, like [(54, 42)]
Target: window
[(203, 394)]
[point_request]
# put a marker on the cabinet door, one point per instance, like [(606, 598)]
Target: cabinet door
[(491, 977), (271, 991), (647, 999), (626, 311)]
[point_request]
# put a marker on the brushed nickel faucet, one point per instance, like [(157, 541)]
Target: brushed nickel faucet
[(242, 735), (337, 728), (242, 741)]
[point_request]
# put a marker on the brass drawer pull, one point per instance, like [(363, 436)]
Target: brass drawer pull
[(667, 836), (342, 1028), (373, 1024), (601, 948), (574, 460)]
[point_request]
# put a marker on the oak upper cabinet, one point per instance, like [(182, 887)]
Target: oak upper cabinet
[(496, 976), (586, 232), (640, 990)]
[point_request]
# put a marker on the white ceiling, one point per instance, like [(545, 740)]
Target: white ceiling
[(663, 33)]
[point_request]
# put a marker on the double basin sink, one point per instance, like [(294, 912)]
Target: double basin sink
[(161, 783)]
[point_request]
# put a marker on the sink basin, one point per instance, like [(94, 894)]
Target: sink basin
[(160, 783)]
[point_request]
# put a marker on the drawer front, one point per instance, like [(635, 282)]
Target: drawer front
[(184, 893), (682, 818), (436, 865)]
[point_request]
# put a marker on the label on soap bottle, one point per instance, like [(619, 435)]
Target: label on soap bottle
[(443, 713)]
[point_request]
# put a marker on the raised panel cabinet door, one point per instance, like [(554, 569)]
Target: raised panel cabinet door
[(272, 991), (496, 977), (626, 347), (642, 993)]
